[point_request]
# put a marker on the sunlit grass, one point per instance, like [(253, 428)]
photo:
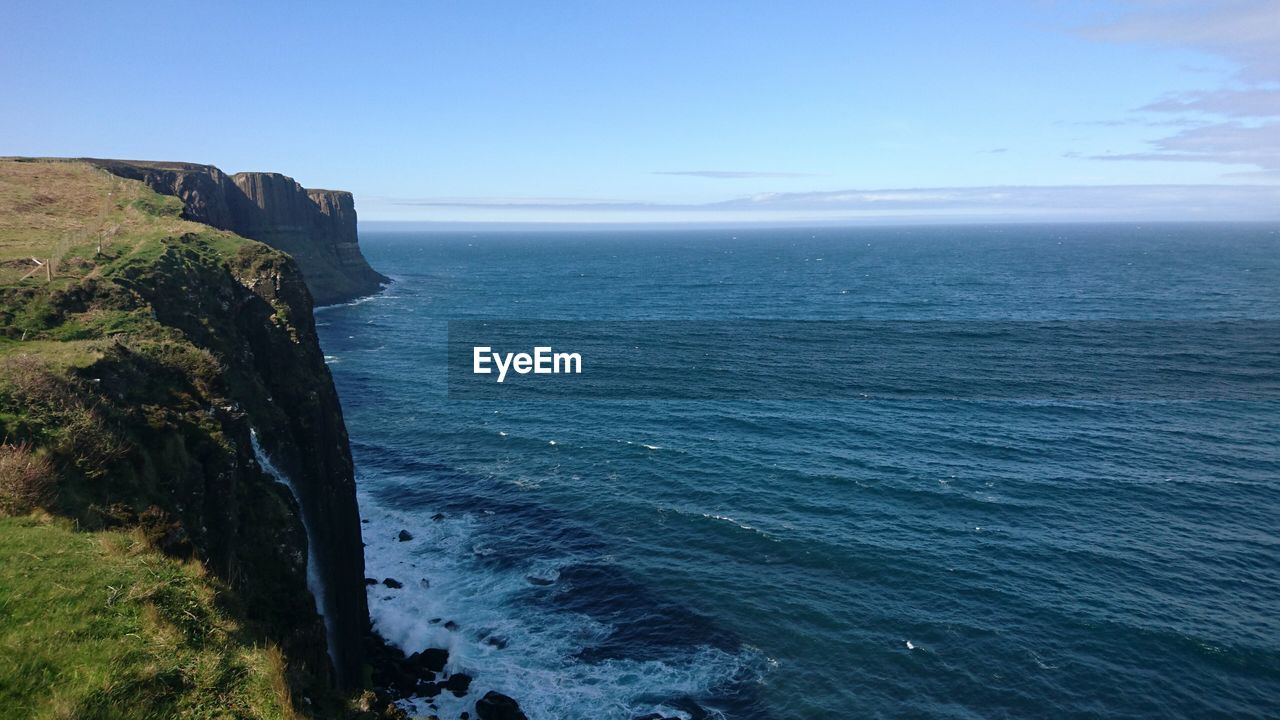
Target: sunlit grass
[(96, 625)]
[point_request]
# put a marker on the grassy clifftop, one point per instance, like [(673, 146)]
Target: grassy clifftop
[(137, 351), (125, 632)]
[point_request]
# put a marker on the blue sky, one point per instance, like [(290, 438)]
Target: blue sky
[(677, 111)]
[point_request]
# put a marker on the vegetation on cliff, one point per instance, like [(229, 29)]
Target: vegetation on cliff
[(124, 632), (137, 351)]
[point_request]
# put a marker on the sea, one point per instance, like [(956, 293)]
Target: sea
[(967, 553)]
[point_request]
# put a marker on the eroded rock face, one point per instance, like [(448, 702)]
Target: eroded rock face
[(202, 188), (316, 227), (254, 315)]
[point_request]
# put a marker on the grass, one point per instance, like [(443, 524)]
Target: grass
[(88, 228), (98, 625), (81, 219)]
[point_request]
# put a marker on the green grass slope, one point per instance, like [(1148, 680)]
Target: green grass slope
[(148, 568), (99, 625)]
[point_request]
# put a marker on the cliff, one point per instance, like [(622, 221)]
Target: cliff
[(137, 361), (316, 227)]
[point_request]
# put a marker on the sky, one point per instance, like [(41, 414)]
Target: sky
[(808, 111)]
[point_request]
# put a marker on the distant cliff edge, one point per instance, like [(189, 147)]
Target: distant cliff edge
[(316, 227)]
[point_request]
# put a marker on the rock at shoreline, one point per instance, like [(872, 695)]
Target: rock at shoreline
[(458, 684), (428, 689), (438, 517), (392, 583), (496, 706), (431, 659), (405, 536)]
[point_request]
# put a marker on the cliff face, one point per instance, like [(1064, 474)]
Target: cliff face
[(316, 227), (254, 313), (139, 367)]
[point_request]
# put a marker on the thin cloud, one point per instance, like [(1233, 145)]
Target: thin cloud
[(530, 203), (1250, 103), (733, 174), (1244, 32), (1259, 200), (1230, 143), (1247, 32), (1026, 203)]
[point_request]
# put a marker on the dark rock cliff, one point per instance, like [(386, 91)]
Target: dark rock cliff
[(316, 227), (255, 315), (221, 341)]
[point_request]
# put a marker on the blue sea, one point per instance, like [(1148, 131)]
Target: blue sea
[(976, 556)]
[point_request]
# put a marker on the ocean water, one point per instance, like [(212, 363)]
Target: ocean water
[(982, 557)]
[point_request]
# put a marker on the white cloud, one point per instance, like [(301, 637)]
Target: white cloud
[(732, 174), (1245, 32), (1258, 102), (997, 203), (1230, 143)]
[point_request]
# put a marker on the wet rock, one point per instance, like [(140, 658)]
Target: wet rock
[(496, 641), (372, 706), (432, 659), (458, 684), (438, 517), (370, 581), (451, 625), (392, 583), (403, 680), (693, 709), (428, 689), (405, 536), (496, 706)]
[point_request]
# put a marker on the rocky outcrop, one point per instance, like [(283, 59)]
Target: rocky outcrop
[(141, 375), (316, 227), (254, 315), (496, 706), (203, 189)]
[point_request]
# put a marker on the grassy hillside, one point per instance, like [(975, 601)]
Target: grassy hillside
[(99, 625), (148, 567), (67, 225)]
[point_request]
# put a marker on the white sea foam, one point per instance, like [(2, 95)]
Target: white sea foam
[(503, 640), (740, 524), (382, 294)]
